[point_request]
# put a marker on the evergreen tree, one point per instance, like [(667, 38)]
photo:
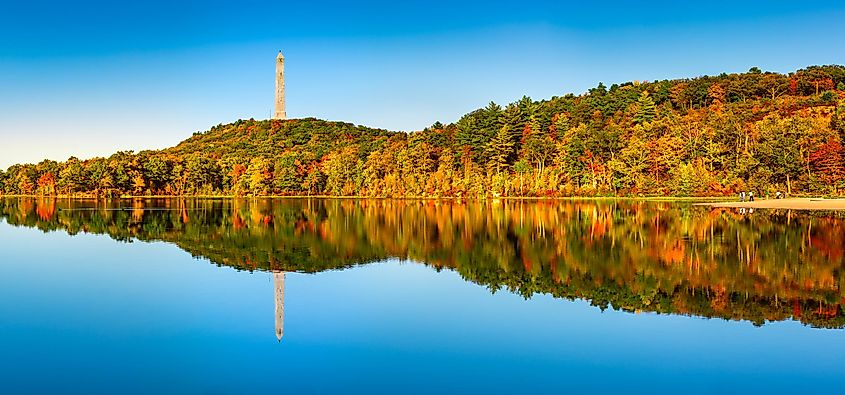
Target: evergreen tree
[(501, 149), (513, 119), (285, 177), (647, 110), (837, 120), (561, 125)]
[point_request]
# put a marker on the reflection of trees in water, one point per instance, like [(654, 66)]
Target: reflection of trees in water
[(633, 256)]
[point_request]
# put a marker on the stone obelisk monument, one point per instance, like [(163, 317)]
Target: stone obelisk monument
[(279, 110)]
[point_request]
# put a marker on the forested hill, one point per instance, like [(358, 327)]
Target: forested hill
[(714, 135), (248, 139)]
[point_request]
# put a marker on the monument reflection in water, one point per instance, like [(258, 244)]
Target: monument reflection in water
[(279, 303), (632, 256)]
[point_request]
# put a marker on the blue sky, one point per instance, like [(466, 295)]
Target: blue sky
[(89, 79)]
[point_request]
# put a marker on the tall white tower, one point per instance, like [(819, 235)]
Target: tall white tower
[(279, 110), (279, 285)]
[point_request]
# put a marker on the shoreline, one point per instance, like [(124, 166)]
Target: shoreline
[(535, 198), (713, 202), (787, 204)]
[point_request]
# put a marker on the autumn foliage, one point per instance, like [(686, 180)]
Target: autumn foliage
[(711, 135)]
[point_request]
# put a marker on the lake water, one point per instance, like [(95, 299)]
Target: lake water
[(381, 296)]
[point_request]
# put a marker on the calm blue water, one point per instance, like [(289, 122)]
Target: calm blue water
[(88, 314)]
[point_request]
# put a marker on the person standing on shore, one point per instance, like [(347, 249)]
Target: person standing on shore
[(751, 196), (742, 196)]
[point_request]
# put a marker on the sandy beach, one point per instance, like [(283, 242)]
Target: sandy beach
[(793, 203)]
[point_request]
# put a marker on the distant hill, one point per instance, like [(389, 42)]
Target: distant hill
[(710, 135), (270, 138)]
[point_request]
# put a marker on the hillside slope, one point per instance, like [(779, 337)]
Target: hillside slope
[(270, 138), (755, 131)]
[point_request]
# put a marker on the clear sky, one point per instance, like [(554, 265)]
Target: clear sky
[(91, 78)]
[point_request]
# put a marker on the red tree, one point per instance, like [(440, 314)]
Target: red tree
[(827, 162)]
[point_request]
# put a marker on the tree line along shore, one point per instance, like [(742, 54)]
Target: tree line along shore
[(705, 136)]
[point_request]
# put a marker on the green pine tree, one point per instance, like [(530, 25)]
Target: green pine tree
[(837, 120), (647, 109), (562, 125), (501, 149)]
